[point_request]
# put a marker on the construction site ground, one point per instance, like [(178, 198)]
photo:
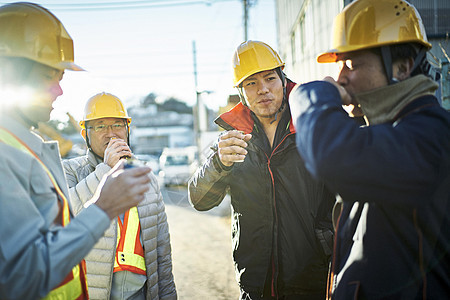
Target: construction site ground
[(201, 249)]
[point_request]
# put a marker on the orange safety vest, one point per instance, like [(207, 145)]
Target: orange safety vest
[(129, 250), (74, 286)]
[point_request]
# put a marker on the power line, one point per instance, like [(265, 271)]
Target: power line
[(124, 5), (152, 2)]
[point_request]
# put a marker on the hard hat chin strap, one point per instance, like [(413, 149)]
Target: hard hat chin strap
[(241, 95), (284, 102), (88, 144), (421, 61), (387, 62), (128, 133), (420, 66)]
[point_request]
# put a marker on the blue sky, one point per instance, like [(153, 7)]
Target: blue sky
[(131, 52)]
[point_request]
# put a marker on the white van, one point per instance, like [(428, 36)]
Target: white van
[(177, 165)]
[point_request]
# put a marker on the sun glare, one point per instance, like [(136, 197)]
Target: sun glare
[(15, 97)]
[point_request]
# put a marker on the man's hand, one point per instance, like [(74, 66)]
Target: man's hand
[(121, 189), (232, 146), (346, 98), (116, 149)]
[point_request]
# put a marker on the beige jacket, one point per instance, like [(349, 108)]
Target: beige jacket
[(83, 176)]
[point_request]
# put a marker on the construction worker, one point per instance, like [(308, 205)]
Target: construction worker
[(133, 260), (282, 231), (393, 234), (42, 244)]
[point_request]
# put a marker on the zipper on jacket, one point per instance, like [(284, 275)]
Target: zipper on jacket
[(274, 150), (274, 287), (274, 282), (421, 264), (331, 282)]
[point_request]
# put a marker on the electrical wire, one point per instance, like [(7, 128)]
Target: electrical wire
[(97, 6)]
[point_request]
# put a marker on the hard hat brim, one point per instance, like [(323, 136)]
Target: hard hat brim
[(82, 123), (257, 71), (70, 66), (331, 55)]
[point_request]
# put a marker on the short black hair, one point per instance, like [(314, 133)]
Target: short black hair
[(402, 51), (398, 51)]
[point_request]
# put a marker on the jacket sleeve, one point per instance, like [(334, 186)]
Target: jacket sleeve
[(381, 163), (82, 189), (166, 284), (35, 254), (208, 185)]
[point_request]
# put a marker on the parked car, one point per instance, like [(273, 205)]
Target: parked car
[(150, 160), (177, 165)]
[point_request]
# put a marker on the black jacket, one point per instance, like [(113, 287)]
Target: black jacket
[(282, 228)]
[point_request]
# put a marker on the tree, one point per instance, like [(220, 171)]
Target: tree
[(149, 100), (173, 104)]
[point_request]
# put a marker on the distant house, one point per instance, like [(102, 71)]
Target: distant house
[(153, 130)]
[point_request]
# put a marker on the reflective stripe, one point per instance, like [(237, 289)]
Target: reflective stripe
[(70, 290), (131, 259), (129, 251), (74, 286), (10, 139)]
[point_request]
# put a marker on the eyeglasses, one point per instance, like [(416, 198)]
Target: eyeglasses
[(104, 127)]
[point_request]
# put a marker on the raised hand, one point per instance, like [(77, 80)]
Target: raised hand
[(232, 146), (116, 149), (121, 189)]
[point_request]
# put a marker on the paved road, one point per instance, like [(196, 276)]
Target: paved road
[(201, 249)]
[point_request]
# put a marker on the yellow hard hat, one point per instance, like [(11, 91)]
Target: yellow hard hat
[(367, 24), (28, 30), (104, 105), (252, 57)]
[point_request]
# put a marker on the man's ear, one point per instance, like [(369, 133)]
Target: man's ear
[(402, 68), (83, 134)]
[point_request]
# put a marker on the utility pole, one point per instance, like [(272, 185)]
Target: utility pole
[(246, 5), (245, 19), (197, 104)]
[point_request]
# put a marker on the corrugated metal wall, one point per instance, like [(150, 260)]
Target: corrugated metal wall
[(435, 16), (304, 30)]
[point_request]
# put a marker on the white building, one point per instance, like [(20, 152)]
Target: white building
[(152, 131)]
